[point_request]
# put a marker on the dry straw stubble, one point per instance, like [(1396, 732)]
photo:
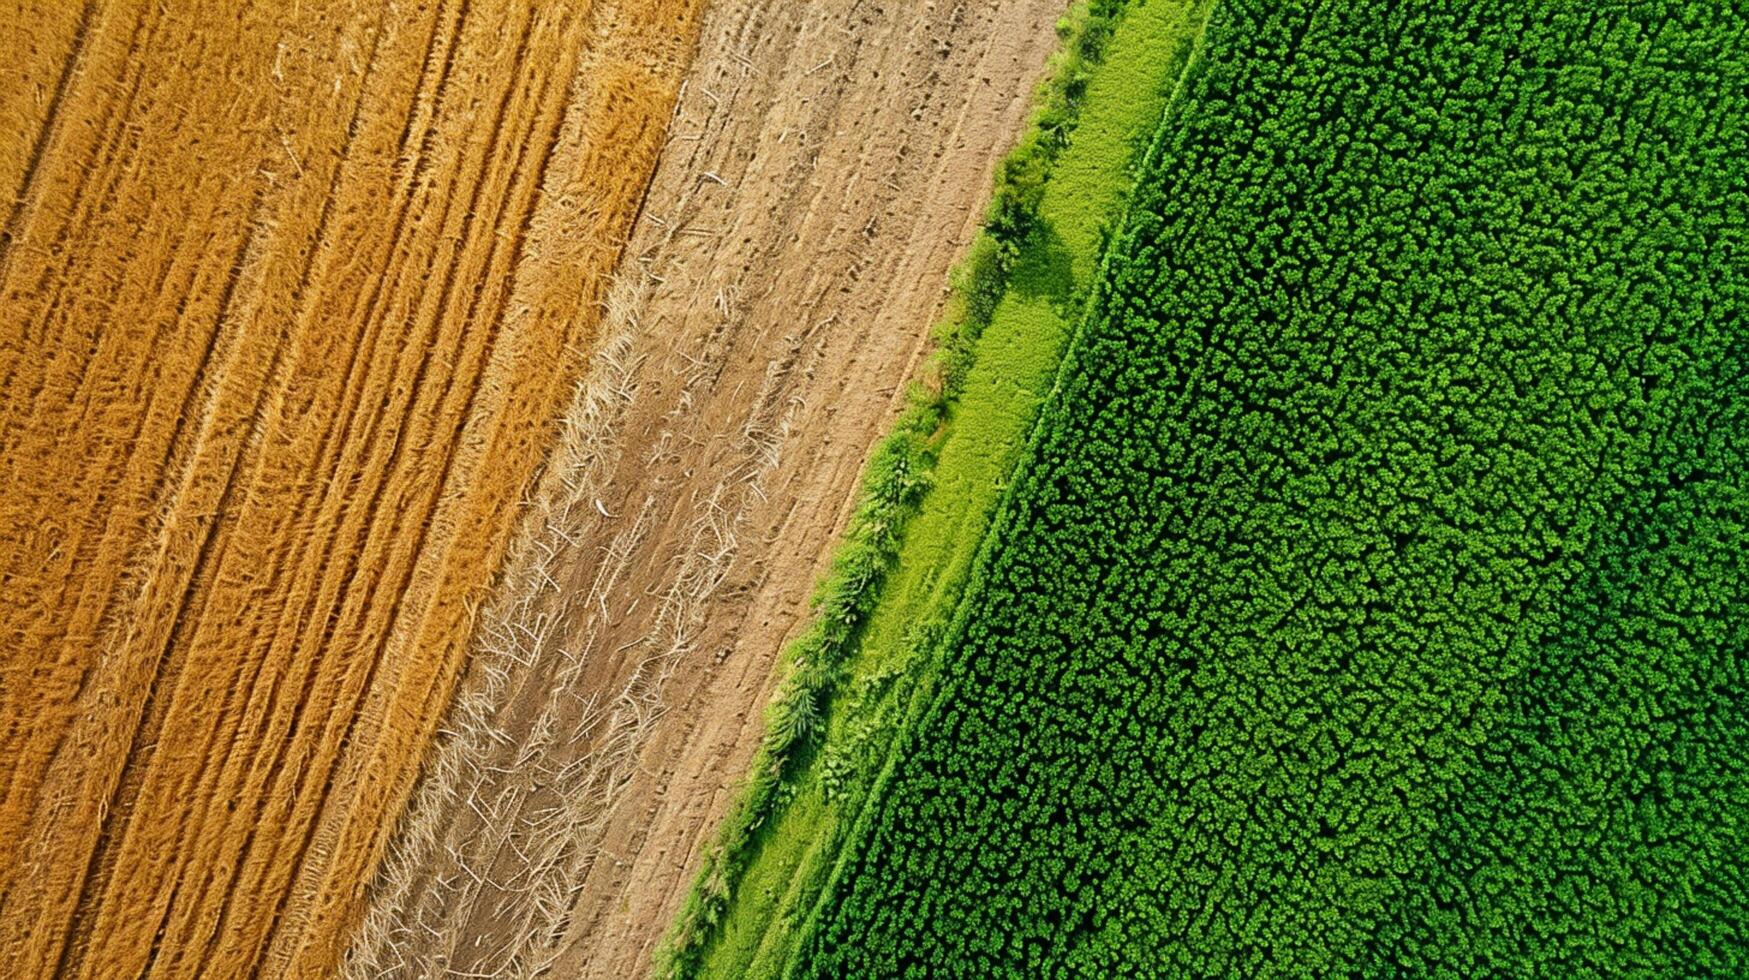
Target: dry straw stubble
[(289, 299)]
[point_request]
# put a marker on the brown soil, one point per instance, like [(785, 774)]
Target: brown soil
[(827, 164), (286, 296)]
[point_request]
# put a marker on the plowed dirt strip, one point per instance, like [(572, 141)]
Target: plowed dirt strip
[(827, 164), (288, 300)]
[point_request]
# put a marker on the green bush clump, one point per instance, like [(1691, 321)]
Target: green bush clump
[(1373, 600)]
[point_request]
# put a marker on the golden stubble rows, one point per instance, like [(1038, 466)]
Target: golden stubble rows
[(289, 294)]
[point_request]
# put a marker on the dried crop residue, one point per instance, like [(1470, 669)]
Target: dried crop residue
[(827, 164), (289, 294)]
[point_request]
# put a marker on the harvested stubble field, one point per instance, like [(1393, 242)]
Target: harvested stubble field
[(827, 164), (290, 295)]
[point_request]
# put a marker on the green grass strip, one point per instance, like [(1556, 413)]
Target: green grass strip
[(932, 485), (1017, 357)]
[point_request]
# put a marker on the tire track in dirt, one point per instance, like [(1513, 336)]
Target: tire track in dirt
[(258, 438), (826, 165)]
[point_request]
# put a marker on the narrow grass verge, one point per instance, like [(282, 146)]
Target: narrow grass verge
[(931, 486)]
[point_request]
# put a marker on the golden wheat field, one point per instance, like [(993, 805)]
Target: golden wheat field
[(291, 295)]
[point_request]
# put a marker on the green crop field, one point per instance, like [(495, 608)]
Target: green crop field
[(1370, 598)]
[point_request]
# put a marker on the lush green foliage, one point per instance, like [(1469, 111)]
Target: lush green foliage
[(1374, 598)]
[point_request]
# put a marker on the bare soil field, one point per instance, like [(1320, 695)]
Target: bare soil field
[(290, 295), (827, 164)]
